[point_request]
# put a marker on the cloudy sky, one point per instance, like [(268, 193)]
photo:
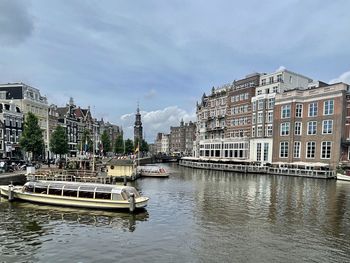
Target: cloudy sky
[(165, 54)]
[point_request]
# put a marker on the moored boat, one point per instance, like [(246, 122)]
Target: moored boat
[(152, 171), (343, 177), (74, 194)]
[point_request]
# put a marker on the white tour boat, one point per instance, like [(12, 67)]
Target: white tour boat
[(76, 194), (152, 171), (343, 177)]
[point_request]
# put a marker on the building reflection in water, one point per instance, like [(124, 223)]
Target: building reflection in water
[(269, 205)]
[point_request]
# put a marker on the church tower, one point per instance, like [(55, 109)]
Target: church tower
[(138, 126)]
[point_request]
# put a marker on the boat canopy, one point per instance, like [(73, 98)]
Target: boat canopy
[(81, 187)]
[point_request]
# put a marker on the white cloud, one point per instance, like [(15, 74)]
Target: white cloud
[(156, 121), (345, 77)]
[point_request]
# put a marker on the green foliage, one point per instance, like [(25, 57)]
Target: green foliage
[(32, 136), (129, 146), (86, 138), (119, 144), (106, 142), (144, 146), (59, 141)]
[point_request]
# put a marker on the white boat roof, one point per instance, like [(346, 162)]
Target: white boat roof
[(88, 187)]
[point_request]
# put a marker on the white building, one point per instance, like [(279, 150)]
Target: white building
[(261, 142)]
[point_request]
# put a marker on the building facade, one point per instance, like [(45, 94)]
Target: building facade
[(11, 119), (28, 99), (311, 125), (263, 103), (67, 119)]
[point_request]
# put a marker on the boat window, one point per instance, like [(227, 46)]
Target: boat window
[(117, 197), (28, 188), (55, 191), (85, 194), (40, 190), (73, 193), (103, 195)]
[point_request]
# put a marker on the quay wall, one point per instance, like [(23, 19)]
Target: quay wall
[(15, 178), (239, 168)]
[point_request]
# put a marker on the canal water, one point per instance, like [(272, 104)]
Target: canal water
[(193, 216)]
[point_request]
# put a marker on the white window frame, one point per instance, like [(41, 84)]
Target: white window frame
[(300, 130), (308, 128), (306, 156), (314, 112), (330, 151), (323, 127), (297, 145), (285, 152), (331, 101)]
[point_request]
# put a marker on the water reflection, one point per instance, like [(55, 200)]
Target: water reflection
[(24, 227)]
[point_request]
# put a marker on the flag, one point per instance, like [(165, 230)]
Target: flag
[(137, 149)]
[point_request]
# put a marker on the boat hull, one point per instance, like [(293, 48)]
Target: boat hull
[(343, 177), (140, 202), (145, 174)]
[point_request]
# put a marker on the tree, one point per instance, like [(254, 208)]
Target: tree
[(144, 146), (119, 144), (106, 142), (32, 137), (129, 146), (59, 141), (86, 143)]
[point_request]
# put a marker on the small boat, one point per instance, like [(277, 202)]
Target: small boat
[(152, 171), (343, 177), (76, 194)]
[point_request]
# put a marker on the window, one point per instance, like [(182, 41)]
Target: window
[(313, 109), (327, 127), (268, 130), (260, 117), (254, 105), (271, 103), (297, 128), (285, 111), (254, 118), (296, 151), (259, 134), (311, 127), (269, 116), (328, 107), (258, 151), (284, 149), (271, 79), (310, 150), (275, 89), (298, 110), (260, 104), (266, 151), (279, 78), (326, 150), (253, 131), (285, 128), (263, 82)]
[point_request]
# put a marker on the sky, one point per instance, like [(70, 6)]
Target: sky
[(112, 54)]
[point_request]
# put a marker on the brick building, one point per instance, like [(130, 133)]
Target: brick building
[(311, 125)]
